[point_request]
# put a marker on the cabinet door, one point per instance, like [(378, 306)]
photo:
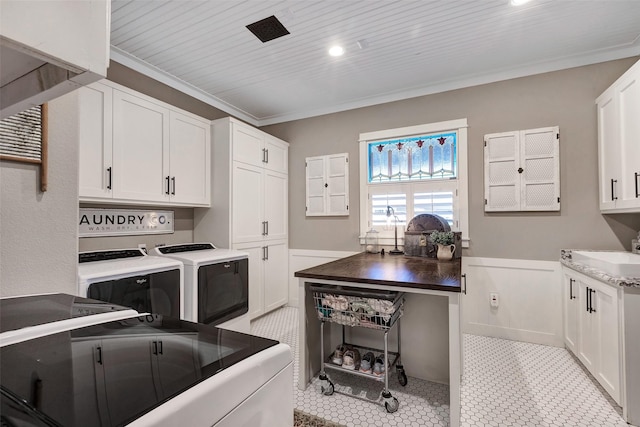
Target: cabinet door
[(605, 304), (570, 315), (276, 154), (95, 135), (338, 184), (588, 353), (275, 204), (247, 145), (315, 186), (247, 203), (190, 160), (140, 151), (540, 166), (256, 277), (629, 128), (501, 182), (608, 150), (276, 283)]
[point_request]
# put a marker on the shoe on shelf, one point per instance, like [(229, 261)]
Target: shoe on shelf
[(339, 354), (351, 359), (379, 366), (367, 363)]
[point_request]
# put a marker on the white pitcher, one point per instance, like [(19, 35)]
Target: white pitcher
[(445, 252)]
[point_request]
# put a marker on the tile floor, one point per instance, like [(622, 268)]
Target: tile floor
[(506, 383)]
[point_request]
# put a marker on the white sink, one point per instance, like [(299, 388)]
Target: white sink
[(621, 264)]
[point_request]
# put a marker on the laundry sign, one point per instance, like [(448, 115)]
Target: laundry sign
[(123, 222)]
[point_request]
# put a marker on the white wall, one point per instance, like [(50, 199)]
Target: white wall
[(529, 296), (38, 231)]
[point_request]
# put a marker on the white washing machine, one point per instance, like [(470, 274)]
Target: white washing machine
[(131, 278), (139, 370), (216, 284)]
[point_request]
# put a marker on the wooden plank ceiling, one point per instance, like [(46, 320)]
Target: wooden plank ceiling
[(393, 49)]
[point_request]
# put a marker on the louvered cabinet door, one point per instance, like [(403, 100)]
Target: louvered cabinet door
[(501, 177), (315, 186), (540, 165)]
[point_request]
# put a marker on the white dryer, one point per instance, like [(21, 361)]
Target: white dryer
[(131, 278), (216, 284)]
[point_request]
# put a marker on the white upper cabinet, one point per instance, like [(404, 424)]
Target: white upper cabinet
[(522, 170), (257, 148), (618, 144), (189, 157), (327, 183), (141, 149), (137, 150), (96, 136)]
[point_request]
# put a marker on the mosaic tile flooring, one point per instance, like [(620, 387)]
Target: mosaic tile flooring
[(506, 383)]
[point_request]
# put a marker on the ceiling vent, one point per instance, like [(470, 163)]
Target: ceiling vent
[(268, 29)]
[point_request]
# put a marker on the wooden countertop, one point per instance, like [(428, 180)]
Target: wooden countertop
[(390, 270)]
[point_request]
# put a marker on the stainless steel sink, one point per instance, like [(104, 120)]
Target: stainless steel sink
[(620, 264)]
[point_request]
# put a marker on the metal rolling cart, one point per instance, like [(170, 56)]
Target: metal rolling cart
[(354, 307)]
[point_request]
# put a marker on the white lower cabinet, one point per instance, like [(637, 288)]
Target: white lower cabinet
[(592, 328), (268, 284)]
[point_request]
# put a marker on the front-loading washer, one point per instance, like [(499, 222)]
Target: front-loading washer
[(216, 284)]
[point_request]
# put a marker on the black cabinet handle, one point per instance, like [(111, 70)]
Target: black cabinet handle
[(612, 192), (591, 292), (266, 233), (109, 180), (264, 228), (167, 179), (586, 294), (99, 355), (264, 253), (155, 347), (571, 289), (173, 183), (159, 347), (636, 175), (464, 290), (264, 155)]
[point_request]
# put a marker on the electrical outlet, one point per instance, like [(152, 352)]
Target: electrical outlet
[(494, 301)]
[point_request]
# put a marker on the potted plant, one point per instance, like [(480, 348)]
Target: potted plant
[(444, 240)]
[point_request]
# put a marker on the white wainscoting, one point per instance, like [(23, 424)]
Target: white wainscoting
[(300, 259), (529, 294)]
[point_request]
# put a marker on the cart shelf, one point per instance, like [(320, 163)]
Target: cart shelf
[(355, 307)]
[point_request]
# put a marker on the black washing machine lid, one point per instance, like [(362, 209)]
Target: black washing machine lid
[(34, 310), (113, 373)]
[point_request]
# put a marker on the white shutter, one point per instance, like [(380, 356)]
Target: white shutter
[(522, 170), (540, 161), (315, 186), (327, 182), (501, 178), (338, 184)]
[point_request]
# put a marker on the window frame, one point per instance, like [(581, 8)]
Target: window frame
[(461, 201)]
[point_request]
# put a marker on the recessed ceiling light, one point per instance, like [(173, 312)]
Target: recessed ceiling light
[(519, 2), (336, 51)]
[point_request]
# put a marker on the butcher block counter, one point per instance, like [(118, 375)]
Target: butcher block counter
[(431, 315), (391, 270)]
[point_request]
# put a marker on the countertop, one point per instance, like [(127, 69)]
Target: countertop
[(391, 270), (565, 259)]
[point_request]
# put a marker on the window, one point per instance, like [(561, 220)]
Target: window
[(414, 170)]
